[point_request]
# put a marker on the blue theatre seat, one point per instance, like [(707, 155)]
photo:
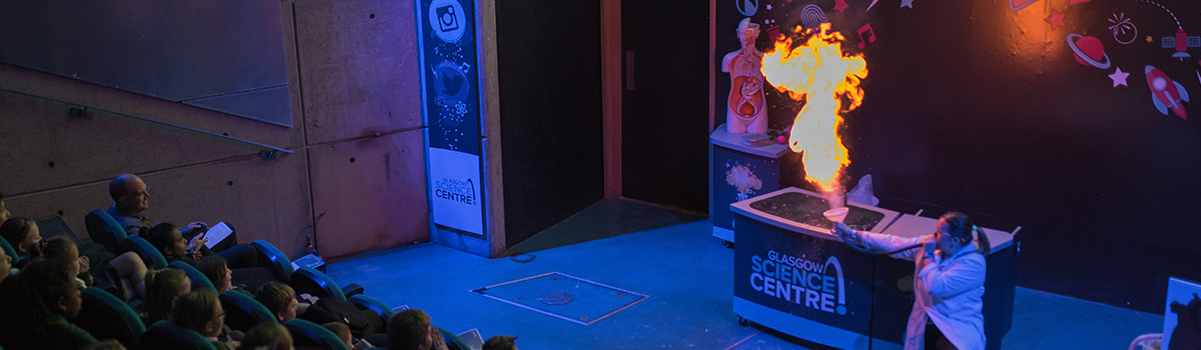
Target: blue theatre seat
[(368, 303), (167, 335), (309, 280), (152, 257), (105, 230), (274, 260), (8, 249), (107, 317), (199, 280), (453, 342), (305, 333), (243, 312)]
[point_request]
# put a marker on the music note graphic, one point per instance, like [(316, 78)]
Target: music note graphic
[(871, 38)]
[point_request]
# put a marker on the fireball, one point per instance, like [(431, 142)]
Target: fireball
[(820, 76)]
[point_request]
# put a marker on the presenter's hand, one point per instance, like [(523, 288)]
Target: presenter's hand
[(843, 230), (931, 246)]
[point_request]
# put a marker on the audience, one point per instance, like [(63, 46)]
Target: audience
[(411, 330), (167, 239), (63, 250), (111, 344), (163, 287), (270, 336), (500, 342), (6, 265), (200, 311), (131, 199), (45, 296), (279, 298), (218, 272), (17, 297), (342, 331), (27, 229), (3, 210), (23, 235), (129, 267)]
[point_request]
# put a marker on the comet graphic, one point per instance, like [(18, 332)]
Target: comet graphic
[(1166, 93)]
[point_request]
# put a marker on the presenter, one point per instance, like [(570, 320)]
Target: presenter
[(949, 272)]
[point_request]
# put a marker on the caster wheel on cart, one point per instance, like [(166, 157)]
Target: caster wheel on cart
[(743, 321), (727, 244)]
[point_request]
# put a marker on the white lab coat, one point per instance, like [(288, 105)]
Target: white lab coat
[(948, 291)]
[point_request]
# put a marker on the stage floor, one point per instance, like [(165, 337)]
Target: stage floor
[(688, 275)]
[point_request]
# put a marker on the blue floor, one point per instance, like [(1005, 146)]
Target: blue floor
[(688, 275)]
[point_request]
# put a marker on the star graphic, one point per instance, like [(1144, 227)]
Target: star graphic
[(1119, 77), (907, 3), (1149, 39), (840, 5), (769, 7), (1055, 19)]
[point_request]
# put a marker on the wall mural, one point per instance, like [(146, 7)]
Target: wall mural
[(1166, 93), (1168, 96)]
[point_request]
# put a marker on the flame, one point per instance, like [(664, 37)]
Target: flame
[(818, 75)]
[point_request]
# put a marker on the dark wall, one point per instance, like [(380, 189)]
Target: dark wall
[(977, 107), (664, 117), (550, 105)]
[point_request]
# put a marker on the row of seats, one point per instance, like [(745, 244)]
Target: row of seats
[(107, 232), (107, 316)]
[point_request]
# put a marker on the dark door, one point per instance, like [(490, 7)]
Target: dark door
[(665, 98), (548, 54)]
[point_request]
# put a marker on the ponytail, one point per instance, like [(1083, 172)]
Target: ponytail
[(981, 239)]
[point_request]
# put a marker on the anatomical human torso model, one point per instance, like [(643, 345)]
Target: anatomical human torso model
[(746, 109)]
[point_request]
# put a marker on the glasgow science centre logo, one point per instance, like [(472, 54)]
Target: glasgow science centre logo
[(455, 190), (815, 285)]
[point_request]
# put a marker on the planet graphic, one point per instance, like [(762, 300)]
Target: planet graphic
[(1088, 50), (1020, 4)]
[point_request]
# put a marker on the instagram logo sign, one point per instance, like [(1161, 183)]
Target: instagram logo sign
[(447, 19)]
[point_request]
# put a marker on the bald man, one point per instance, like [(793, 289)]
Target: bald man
[(130, 199)]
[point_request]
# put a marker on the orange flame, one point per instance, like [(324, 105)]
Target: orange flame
[(820, 76)]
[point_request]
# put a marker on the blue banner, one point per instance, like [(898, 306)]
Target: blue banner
[(450, 79), (446, 33)]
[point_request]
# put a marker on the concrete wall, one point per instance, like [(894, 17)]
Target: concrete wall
[(356, 179)]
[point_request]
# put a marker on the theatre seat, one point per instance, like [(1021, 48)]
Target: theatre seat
[(243, 312), (199, 280), (105, 316), (453, 342), (305, 333), (309, 280), (167, 335), (368, 303), (273, 259), (104, 229), (152, 257), (8, 249)]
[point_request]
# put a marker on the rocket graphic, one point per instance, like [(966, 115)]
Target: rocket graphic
[(1166, 93)]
